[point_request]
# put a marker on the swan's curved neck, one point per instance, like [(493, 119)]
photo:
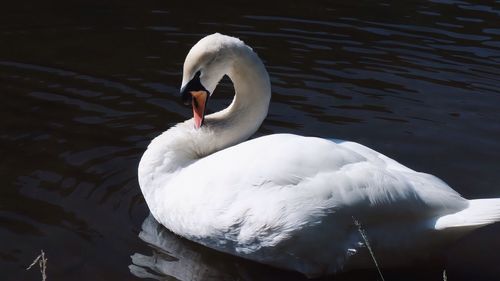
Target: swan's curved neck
[(183, 144), (244, 115)]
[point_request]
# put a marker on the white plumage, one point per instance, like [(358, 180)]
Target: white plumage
[(287, 200)]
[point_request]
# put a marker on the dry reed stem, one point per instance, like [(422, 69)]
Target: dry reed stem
[(365, 238), (42, 262)]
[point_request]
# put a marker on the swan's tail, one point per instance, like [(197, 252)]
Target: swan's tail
[(480, 212)]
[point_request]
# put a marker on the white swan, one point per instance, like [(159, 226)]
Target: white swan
[(287, 200)]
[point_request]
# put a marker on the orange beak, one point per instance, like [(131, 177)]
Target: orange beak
[(199, 102)]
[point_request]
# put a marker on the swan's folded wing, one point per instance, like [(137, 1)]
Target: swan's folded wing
[(261, 191)]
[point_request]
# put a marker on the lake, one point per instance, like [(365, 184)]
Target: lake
[(86, 85)]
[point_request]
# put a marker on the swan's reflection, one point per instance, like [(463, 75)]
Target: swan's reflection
[(175, 258), (172, 256)]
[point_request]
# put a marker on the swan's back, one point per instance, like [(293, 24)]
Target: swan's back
[(288, 191)]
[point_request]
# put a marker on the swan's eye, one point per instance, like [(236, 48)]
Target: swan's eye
[(194, 85)]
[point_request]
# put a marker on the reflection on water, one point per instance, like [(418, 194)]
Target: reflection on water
[(172, 256), (85, 86), (163, 262)]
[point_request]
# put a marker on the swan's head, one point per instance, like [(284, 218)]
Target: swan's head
[(205, 65)]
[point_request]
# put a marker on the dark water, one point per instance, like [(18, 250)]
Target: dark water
[(85, 85)]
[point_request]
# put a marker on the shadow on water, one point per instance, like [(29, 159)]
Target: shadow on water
[(85, 86)]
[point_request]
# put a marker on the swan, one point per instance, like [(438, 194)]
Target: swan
[(289, 201)]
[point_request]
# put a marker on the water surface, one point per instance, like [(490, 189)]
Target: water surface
[(86, 85)]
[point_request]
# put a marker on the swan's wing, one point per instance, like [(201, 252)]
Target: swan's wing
[(261, 191)]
